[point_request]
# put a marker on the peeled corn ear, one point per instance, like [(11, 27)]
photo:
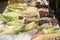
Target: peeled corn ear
[(30, 26)]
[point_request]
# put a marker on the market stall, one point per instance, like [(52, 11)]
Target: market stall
[(28, 20)]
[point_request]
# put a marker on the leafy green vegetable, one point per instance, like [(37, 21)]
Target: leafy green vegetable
[(14, 22), (20, 21), (37, 20), (17, 29), (12, 10), (49, 29), (3, 18), (12, 14), (18, 6)]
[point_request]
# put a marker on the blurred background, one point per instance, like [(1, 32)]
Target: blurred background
[(3, 5)]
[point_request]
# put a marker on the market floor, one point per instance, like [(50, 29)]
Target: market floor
[(3, 5)]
